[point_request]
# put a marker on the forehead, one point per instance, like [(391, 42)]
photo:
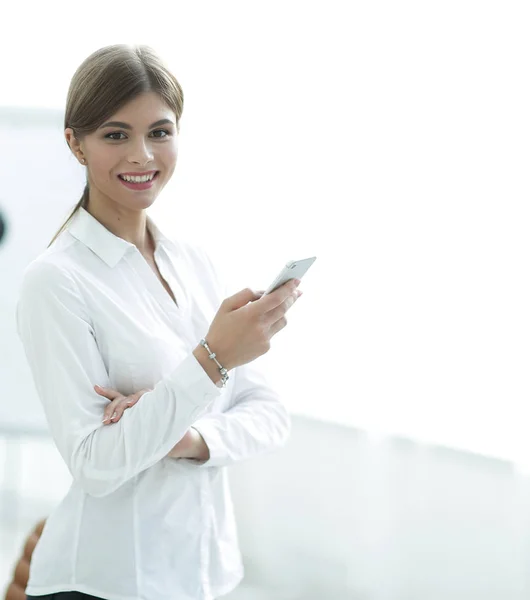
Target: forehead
[(144, 109)]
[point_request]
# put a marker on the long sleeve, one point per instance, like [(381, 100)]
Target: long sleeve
[(63, 356), (256, 423)]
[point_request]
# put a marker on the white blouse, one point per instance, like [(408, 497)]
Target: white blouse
[(136, 525)]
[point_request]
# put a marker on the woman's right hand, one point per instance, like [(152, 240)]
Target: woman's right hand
[(245, 323)]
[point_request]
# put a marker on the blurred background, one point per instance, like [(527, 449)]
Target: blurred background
[(389, 140)]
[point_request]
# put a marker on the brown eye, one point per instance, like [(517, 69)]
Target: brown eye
[(164, 131), (114, 133)]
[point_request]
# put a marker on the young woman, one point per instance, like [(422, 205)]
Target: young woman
[(114, 302)]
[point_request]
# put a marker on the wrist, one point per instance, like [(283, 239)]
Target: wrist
[(208, 364)]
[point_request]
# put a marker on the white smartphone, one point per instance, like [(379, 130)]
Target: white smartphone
[(294, 269)]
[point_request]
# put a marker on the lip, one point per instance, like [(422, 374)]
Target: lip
[(139, 186)]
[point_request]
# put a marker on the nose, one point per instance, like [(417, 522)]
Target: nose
[(142, 153)]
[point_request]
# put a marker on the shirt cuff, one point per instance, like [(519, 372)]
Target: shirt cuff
[(194, 383)]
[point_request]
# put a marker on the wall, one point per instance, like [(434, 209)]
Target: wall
[(336, 514)]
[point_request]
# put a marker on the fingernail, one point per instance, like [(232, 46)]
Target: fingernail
[(105, 420), (114, 415)]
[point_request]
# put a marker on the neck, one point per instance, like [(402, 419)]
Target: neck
[(126, 224)]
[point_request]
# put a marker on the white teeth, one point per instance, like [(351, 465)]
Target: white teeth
[(141, 179)]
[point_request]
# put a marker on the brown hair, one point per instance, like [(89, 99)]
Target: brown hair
[(109, 78)]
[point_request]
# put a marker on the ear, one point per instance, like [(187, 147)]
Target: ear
[(73, 142)]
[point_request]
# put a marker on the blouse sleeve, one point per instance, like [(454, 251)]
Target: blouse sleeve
[(257, 421), (65, 362), (256, 424)]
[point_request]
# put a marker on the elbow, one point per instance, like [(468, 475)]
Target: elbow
[(94, 479), (93, 482), (94, 488), (97, 488)]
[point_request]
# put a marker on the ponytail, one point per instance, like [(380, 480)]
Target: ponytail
[(83, 202)]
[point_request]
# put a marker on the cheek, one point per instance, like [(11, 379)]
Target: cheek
[(103, 165), (170, 152), (169, 160)]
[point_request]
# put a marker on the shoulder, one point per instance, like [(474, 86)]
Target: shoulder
[(55, 265), (195, 253), (44, 273), (203, 263), (48, 285), (190, 249)]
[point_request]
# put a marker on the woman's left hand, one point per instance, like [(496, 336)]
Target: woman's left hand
[(192, 445), (118, 403)]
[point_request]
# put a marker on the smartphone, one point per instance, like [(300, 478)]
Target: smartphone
[(294, 269)]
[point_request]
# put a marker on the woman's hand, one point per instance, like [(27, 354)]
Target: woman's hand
[(192, 445), (118, 403)]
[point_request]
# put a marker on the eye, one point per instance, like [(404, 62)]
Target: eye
[(163, 130), (114, 133), (108, 136)]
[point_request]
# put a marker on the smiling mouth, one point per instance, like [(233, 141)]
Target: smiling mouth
[(140, 186), (143, 181)]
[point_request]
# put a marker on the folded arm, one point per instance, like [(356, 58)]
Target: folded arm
[(61, 349), (256, 424)]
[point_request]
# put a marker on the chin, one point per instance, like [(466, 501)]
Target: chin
[(135, 204), (143, 203)]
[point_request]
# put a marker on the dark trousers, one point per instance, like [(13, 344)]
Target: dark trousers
[(64, 596)]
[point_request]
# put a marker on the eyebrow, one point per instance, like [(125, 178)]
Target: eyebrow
[(127, 126)]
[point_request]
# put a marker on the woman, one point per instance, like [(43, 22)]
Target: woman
[(113, 302)]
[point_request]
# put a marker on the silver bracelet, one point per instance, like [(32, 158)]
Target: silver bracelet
[(224, 372)]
